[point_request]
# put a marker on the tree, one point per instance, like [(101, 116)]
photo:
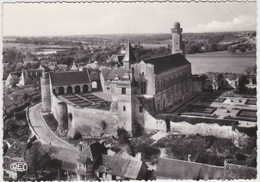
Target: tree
[(138, 129), (231, 49), (123, 135), (242, 49), (242, 84)]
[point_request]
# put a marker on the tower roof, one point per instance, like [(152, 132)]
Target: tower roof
[(129, 55)]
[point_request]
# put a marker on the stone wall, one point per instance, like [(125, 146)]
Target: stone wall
[(233, 172), (195, 120), (172, 86), (92, 122), (147, 71), (86, 121)]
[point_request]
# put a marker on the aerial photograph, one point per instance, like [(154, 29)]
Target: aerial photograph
[(129, 91)]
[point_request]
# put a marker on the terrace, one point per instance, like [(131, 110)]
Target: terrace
[(86, 100), (216, 106)]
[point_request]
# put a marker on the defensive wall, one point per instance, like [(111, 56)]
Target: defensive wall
[(33, 132), (194, 120), (84, 121)]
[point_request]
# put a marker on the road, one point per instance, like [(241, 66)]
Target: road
[(42, 130)]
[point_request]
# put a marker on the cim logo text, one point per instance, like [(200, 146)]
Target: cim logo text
[(19, 166)]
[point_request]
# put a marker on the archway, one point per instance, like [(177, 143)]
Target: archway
[(85, 88), (77, 89), (61, 90), (94, 85), (69, 90)]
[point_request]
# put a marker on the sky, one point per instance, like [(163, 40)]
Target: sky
[(40, 19)]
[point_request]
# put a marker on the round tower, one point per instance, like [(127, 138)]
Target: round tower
[(62, 116), (177, 46), (45, 92)]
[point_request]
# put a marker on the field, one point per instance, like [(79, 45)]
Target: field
[(251, 102), (247, 113)]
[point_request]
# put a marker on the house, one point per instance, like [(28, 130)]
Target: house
[(118, 168), (15, 154)]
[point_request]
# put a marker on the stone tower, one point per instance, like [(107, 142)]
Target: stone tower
[(177, 46), (45, 92), (123, 101)]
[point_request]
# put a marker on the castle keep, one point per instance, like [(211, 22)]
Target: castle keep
[(73, 99)]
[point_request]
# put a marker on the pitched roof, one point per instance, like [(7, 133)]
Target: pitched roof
[(68, 78), (116, 58), (110, 74), (129, 55), (119, 166), (16, 150), (165, 63), (179, 169)]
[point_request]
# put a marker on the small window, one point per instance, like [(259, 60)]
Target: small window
[(108, 88), (123, 91), (140, 109), (124, 108)]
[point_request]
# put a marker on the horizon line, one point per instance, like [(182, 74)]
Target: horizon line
[(101, 34)]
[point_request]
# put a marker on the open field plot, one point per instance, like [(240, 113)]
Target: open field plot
[(251, 102), (194, 110), (247, 113), (87, 100), (213, 99)]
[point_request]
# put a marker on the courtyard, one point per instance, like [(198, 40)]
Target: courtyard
[(86, 100)]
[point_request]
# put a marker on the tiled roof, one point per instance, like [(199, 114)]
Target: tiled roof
[(16, 150), (119, 166), (179, 169), (165, 63), (110, 74), (116, 58), (68, 78)]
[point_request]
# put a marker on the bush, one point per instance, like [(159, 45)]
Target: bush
[(240, 156), (138, 129), (123, 135), (149, 153), (20, 115)]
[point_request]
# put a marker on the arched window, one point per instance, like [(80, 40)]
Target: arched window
[(61, 90), (85, 88), (77, 89), (69, 90)]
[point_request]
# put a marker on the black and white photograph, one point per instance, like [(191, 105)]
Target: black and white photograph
[(122, 91)]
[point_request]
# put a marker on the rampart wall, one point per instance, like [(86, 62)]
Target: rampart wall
[(86, 121)]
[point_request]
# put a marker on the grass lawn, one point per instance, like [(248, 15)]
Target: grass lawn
[(251, 102), (247, 113)]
